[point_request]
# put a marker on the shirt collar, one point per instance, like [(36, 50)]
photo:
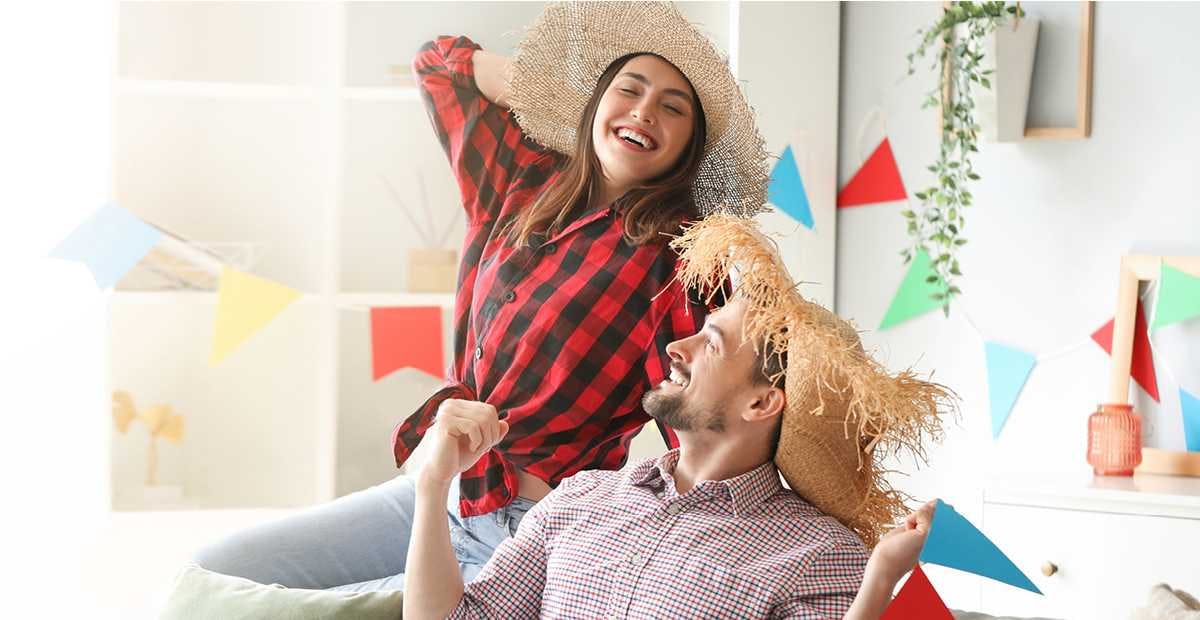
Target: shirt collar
[(581, 221), (744, 492)]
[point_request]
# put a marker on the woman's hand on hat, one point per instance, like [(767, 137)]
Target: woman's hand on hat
[(462, 432), (491, 76)]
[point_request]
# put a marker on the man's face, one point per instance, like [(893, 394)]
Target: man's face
[(710, 374)]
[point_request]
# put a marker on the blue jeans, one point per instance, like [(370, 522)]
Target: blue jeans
[(357, 543)]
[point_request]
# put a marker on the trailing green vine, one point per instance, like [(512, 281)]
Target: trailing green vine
[(937, 226)]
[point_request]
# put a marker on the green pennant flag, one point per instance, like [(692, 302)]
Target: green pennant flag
[(915, 296), (1178, 297)]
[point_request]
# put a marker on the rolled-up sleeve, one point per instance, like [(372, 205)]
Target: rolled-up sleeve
[(485, 146)]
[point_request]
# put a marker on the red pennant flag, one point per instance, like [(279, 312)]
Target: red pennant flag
[(877, 181), (1142, 365), (409, 336), (917, 600)]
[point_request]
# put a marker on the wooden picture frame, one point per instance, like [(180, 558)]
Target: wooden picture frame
[(1083, 89), (1136, 268)]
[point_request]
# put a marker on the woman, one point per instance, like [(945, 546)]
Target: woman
[(565, 298)]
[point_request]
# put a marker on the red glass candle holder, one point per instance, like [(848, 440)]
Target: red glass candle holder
[(1114, 440)]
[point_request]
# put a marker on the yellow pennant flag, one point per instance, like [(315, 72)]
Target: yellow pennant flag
[(245, 304)]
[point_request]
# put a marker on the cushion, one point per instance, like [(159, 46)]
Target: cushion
[(200, 594), (1168, 604)]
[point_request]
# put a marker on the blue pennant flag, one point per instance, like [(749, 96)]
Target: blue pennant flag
[(1191, 420), (110, 242), (786, 190), (1008, 368), (955, 543)]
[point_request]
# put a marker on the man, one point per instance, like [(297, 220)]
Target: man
[(707, 530)]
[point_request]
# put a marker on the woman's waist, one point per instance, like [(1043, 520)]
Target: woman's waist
[(531, 487)]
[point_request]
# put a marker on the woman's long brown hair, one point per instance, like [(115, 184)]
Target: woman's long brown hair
[(656, 207)]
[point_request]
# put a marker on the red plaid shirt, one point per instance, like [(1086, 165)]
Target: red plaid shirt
[(627, 545), (563, 336)]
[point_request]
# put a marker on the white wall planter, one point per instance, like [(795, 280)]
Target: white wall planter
[(1002, 108)]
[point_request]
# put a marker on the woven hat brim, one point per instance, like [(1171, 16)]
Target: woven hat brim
[(564, 52)]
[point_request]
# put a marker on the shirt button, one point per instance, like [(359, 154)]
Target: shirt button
[(549, 248), (635, 559), (478, 352), (674, 509), (510, 296)]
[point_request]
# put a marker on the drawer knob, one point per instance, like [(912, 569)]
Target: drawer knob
[(1049, 568)]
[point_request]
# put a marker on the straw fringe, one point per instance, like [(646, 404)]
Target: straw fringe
[(828, 374)]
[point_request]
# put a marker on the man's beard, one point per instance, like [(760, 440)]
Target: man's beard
[(672, 411)]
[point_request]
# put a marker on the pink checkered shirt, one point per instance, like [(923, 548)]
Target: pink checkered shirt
[(625, 544)]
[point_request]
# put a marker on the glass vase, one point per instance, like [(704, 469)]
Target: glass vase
[(1114, 440)]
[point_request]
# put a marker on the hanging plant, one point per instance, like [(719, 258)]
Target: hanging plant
[(937, 225)]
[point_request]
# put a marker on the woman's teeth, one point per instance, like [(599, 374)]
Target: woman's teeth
[(641, 140)]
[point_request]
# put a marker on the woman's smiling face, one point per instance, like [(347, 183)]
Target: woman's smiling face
[(644, 122)]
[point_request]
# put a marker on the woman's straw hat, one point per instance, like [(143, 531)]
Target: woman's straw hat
[(565, 51)]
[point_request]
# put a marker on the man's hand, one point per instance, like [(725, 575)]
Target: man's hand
[(463, 432), (895, 555), (898, 550)]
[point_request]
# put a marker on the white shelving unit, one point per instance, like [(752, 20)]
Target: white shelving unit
[(276, 123)]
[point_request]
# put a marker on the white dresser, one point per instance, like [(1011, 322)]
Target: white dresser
[(1094, 546)]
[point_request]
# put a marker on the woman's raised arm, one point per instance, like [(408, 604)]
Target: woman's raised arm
[(491, 76)]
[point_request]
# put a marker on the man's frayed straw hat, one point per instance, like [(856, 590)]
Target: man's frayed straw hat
[(566, 50), (844, 413)]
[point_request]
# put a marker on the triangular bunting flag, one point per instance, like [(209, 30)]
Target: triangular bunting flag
[(245, 304), (917, 600), (786, 190), (877, 181), (1142, 366), (915, 295), (955, 543), (406, 337), (110, 242), (1191, 420), (1008, 368), (1178, 297)]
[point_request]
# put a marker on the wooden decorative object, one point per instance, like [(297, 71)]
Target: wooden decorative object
[(1083, 89), (432, 268), (1134, 269), (159, 421)]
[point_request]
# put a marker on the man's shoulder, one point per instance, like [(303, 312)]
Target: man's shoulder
[(804, 524), (591, 481)]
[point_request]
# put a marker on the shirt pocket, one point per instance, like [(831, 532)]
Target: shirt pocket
[(711, 591)]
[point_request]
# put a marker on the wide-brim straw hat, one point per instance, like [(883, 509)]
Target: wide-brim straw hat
[(845, 414), (564, 53)]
